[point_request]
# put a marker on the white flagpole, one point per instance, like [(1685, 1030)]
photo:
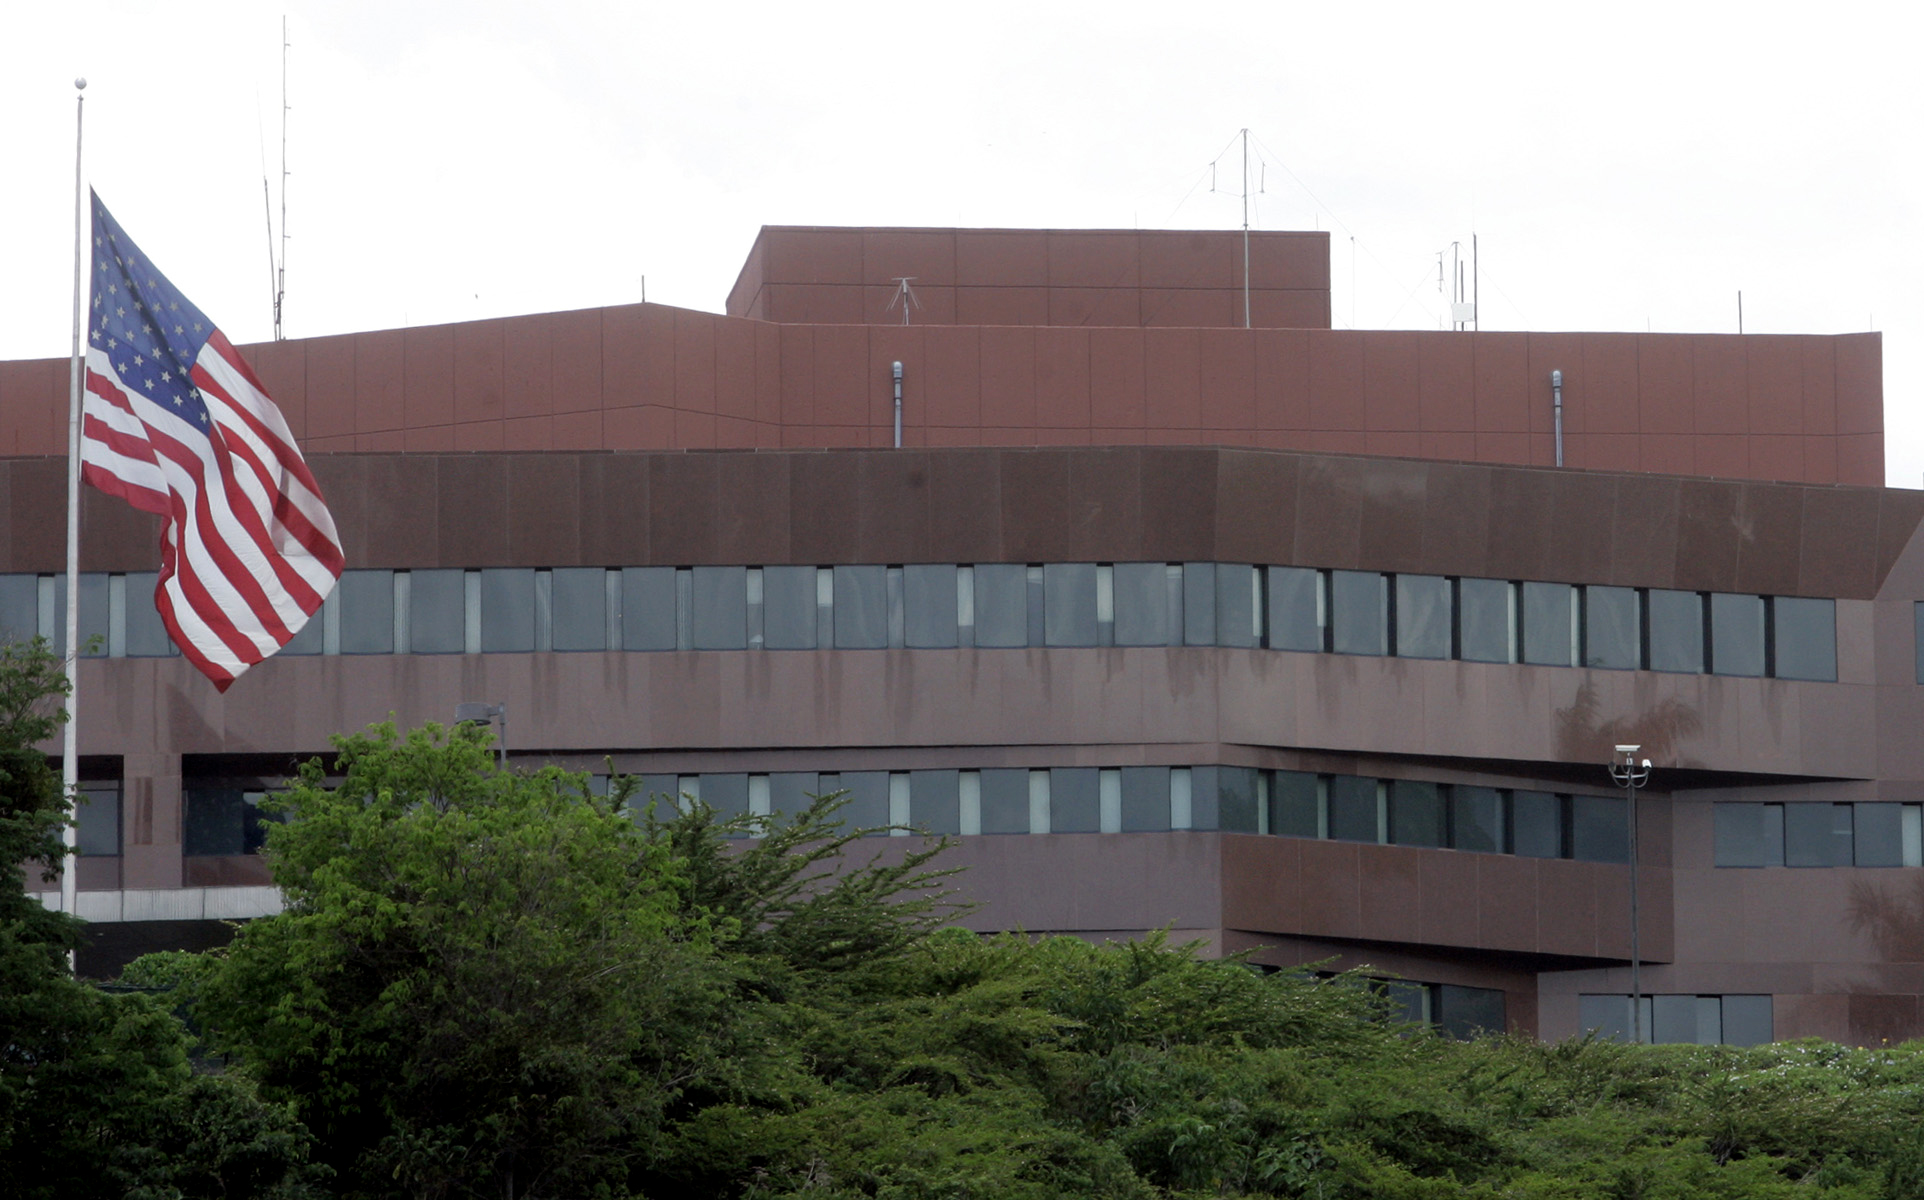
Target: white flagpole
[(70, 751)]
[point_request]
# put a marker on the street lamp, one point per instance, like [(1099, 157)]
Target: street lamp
[(1630, 775), (487, 714)]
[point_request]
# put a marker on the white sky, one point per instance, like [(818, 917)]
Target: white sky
[(1626, 166)]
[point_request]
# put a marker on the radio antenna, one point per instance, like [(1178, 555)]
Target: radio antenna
[(280, 267)]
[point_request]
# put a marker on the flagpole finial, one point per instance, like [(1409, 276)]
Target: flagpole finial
[(80, 84)]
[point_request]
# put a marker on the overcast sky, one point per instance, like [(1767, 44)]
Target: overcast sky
[(1629, 169)]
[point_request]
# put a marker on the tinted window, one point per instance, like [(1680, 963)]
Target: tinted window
[(1199, 604), (935, 797), (727, 794), (1295, 609), (1070, 603), (1805, 633), (1476, 819), (1548, 619), (1295, 804), (1422, 616), (367, 612), (20, 608), (1878, 834), (1074, 803), (1416, 813), (1612, 633), (580, 608), (792, 792), (788, 608), (928, 591), (662, 791), (1465, 1012), (1747, 1020), (648, 608), (1145, 799), (1358, 612), (1736, 634), (719, 611), (1235, 797), (1005, 801), (1685, 1020), (868, 798), (437, 612), (1536, 824), (1001, 605), (1599, 828), (94, 613), (507, 610), (1676, 631), (147, 635), (1486, 620), (1817, 835), (1239, 605), (1142, 604), (1352, 809), (1606, 1016), (98, 815), (218, 819), (1749, 835)]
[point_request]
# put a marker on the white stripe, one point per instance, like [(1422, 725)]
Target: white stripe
[(249, 399)]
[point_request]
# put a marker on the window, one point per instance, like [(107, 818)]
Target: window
[(1749, 835), (223, 819), (1359, 603), (20, 609), (1145, 799), (1069, 591), (1416, 813), (1486, 620), (580, 608), (1296, 804), (1476, 819), (1232, 794), (1536, 824), (1074, 800), (1685, 1019), (1199, 604), (929, 604), (1354, 809), (1736, 634), (1676, 631), (1001, 605), (935, 798), (1612, 630), (868, 799), (719, 610), (367, 612), (1817, 835), (1005, 800), (147, 635), (1804, 638), (507, 610), (1142, 605), (1600, 829), (1549, 624), (1888, 835), (98, 816), (648, 608), (95, 609), (1422, 616), (1295, 609), (1239, 605), (437, 612)]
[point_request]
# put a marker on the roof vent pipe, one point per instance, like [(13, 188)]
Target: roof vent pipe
[(897, 367), (1556, 393)]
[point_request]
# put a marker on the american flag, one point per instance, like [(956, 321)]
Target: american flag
[(175, 423)]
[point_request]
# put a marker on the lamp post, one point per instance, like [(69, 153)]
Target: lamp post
[(487, 714), (1630, 775)]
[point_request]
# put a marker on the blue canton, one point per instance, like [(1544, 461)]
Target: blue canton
[(149, 331)]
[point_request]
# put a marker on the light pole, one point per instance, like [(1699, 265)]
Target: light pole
[(1630, 775), (487, 714)]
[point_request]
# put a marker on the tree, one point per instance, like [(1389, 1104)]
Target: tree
[(482, 983)]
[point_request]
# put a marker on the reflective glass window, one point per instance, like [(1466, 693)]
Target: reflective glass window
[(1804, 638), (928, 591), (98, 817), (1239, 605), (788, 608), (1548, 622), (20, 608), (1295, 804), (580, 608), (1295, 609), (1878, 834), (1359, 603), (1001, 605), (147, 634), (792, 792), (1747, 1020), (648, 608), (719, 612), (1005, 800), (868, 799), (1464, 1013), (1074, 800), (1676, 631), (1234, 792), (1422, 616), (1749, 835), (437, 612), (507, 610), (1199, 604), (1142, 604), (367, 612), (1817, 835), (1536, 824), (1476, 819), (1353, 809), (1736, 634), (1486, 620), (1069, 591), (1600, 829), (935, 797), (1416, 813), (1145, 799), (1612, 631)]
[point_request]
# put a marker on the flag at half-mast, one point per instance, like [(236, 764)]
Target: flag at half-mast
[(175, 423)]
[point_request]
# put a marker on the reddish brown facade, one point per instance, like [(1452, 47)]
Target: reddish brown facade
[(1703, 466)]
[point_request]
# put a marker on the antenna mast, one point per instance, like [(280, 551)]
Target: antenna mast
[(280, 267)]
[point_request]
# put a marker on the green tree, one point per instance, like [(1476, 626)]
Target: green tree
[(483, 982)]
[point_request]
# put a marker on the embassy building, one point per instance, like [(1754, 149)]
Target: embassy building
[(1309, 643)]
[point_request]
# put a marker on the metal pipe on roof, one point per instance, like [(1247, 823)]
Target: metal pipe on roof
[(1556, 392)]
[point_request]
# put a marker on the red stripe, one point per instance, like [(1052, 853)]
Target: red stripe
[(289, 459)]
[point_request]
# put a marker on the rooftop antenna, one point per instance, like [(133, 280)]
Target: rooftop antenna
[(277, 266), (1244, 195), (904, 296)]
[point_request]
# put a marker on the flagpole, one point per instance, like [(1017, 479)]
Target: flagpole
[(70, 750)]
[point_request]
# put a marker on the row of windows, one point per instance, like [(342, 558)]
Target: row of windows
[(1820, 835), (1456, 1011), (225, 817), (1690, 1020), (997, 605)]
